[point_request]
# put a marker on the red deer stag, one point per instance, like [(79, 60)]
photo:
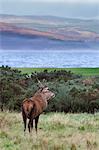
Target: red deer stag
[(34, 106)]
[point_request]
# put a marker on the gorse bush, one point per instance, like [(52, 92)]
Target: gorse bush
[(74, 98), (73, 92)]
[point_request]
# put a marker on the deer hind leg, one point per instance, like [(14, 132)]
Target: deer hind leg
[(36, 123), (31, 124), (24, 120)]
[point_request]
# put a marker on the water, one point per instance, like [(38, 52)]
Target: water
[(56, 59)]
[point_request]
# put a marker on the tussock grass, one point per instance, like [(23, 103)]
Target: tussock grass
[(56, 131)]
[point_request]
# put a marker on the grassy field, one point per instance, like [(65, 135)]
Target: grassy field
[(80, 71), (56, 131)]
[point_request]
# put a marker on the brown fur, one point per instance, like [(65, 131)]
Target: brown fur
[(33, 107)]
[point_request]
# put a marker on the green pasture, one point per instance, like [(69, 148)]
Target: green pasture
[(80, 71)]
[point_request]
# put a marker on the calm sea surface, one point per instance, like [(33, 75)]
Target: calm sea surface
[(57, 59)]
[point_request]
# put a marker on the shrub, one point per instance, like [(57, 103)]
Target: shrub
[(71, 94)]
